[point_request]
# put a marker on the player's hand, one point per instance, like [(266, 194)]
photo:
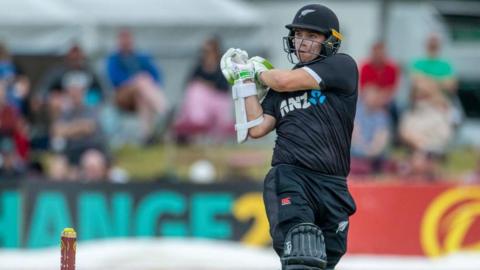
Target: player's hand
[(235, 66), (260, 65)]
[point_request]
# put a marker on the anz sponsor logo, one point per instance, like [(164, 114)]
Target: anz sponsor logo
[(304, 101)]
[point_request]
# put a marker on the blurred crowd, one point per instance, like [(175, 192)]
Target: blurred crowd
[(424, 129), (66, 126)]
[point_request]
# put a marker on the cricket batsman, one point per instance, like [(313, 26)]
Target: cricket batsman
[(312, 109)]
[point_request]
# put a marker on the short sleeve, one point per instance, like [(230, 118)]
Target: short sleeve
[(269, 102), (337, 73), (448, 70), (436, 68)]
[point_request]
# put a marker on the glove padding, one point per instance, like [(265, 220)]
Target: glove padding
[(260, 65), (237, 69), (235, 66)]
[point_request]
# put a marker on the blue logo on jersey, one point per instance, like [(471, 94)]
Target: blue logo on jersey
[(316, 97), (291, 104)]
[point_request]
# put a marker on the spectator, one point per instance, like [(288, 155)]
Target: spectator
[(48, 99), (207, 106), (17, 85), (93, 166), (380, 75), (434, 67), (371, 133), (14, 145), (440, 72), (11, 166), (75, 64), (77, 129), (138, 85), (7, 70), (58, 169), (426, 128)]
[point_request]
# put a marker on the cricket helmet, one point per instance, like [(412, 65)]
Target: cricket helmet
[(318, 18)]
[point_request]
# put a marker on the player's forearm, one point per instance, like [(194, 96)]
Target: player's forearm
[(253, 108), (288, 80), (277, 79), (254, 111)]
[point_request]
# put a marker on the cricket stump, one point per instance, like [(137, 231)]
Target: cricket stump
[(68, 248)]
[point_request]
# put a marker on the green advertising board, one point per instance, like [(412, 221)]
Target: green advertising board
[(33, 213)]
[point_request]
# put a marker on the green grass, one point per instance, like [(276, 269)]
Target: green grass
[(461, 160), (240, 161), (146, 163)]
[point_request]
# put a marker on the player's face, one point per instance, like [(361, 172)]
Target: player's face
[(307, 44)]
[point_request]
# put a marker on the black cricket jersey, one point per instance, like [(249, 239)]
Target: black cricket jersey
[(314, 127)]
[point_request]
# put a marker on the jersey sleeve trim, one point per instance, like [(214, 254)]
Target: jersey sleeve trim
[(313, 74)]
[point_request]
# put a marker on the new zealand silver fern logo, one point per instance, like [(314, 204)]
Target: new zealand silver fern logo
[(305, 12), (342, 226)]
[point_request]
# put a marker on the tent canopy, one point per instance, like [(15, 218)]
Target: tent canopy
[(50, 26)]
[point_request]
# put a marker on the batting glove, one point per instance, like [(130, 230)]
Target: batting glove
[(236, 67), (260, 65)]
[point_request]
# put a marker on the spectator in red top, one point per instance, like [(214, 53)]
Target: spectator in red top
[(13, 140), (380, 74)]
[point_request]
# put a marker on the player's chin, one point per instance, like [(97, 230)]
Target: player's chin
[(305, 57)]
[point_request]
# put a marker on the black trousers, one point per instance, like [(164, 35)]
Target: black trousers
[(294, 195)]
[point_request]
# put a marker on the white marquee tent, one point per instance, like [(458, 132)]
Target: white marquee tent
[(164, 27), (172, 31)]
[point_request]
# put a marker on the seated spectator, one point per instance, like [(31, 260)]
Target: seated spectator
[(138, 86), (426, 128), (14, 145), (380, 74), (440, 72), (7, 70), (48, 98), (11, 165), (371, 134), (17, 85), (93, 166), (58, 169), (207, 106), (75, 64), (77, 129)]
